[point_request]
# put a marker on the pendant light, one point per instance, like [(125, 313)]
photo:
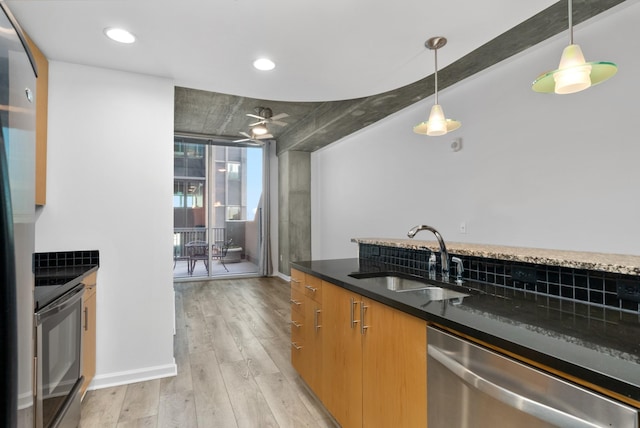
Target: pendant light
[(437, 123), (573, 73)]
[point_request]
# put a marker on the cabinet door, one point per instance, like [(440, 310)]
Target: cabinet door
[(394, 368), (312, 373), (298, 324), (342, 355), (89, 337)]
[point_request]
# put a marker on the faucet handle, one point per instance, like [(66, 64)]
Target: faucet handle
[(459, 269), (432, 266)]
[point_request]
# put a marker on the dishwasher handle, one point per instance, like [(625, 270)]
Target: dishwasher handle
[(508, 397)]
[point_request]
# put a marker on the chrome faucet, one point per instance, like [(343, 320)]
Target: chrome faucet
[(444, 254)]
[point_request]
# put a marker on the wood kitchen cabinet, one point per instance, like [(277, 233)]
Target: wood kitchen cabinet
[(89, 332), (394, 368), (42, 103), (297, 321), (306, 328), (342, 355), (374, 360)]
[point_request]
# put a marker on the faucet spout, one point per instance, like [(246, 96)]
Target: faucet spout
[(444, 254)]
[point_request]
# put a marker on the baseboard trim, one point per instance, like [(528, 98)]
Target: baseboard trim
[(132, 376), (282, 276)]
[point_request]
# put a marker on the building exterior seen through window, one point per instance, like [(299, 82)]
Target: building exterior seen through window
[(228, 183)]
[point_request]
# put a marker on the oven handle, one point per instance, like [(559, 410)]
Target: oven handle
[(508, 397), (61, 304)]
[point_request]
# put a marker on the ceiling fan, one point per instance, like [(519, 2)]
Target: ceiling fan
[(253, 137), (265, 115)]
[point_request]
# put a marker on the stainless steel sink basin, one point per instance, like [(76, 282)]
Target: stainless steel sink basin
[(437, 293), (401, 284)]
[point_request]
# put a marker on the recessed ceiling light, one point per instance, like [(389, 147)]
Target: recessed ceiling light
[(264, 64), (119, 35)]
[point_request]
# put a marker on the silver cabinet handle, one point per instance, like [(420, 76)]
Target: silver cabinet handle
[(315, 319), (297, 281), (296, 324), (295, 345), (363, 308), (308, 287), (86, 319), (353, 320), (295, 302), (508, 397)]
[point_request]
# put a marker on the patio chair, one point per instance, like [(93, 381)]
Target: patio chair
[(197, 250), (220, 252)]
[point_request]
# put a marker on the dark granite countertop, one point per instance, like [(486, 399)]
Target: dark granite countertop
[(600, 346), (58, 273)]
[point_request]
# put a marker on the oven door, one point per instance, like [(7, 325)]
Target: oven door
[(58, 356)]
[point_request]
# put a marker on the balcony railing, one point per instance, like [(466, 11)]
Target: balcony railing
[(183, 235)]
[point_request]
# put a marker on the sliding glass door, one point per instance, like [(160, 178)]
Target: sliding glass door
[(219, 189)]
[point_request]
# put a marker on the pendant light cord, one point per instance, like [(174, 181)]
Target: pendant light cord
[(570, 23), (436, 73)]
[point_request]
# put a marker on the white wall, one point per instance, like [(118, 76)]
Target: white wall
[(536, 170), (109, 187)]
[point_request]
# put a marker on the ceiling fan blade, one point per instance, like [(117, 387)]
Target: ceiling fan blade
[(255, 116), (263, 137), (261, 122), (279, 116), (242, 141), (277, 122)]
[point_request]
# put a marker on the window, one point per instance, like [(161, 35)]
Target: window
[(233, 171), (234, 213), (216, 184)]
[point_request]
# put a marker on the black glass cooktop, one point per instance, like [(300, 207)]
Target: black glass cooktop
[(51, 283)]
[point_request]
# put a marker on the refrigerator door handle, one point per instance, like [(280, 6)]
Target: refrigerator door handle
[(506, 396)]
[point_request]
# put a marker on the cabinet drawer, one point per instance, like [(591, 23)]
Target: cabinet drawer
[(297, 280), (297, 331), (313, 288), (297, 356), (297, 303)]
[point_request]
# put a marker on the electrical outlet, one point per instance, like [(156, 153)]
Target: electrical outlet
[(456, 145), (463, 227)]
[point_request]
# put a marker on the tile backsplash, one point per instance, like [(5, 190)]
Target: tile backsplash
[(586, 286), (66, 259)]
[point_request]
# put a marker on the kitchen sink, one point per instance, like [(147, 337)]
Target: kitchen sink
[(405, 283)]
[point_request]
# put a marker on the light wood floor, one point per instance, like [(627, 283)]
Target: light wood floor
[(232, 348)]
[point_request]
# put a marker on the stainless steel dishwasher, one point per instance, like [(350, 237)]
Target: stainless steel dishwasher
[(469, 386)]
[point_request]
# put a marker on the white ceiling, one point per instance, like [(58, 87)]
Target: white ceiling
[(323, 50)]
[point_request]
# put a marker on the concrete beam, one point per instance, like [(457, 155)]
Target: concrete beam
[(331, 121)]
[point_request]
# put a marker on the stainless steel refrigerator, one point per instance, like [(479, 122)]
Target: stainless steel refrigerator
[(17, 221)]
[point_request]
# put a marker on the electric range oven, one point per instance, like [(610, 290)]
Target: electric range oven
[(58, 324)]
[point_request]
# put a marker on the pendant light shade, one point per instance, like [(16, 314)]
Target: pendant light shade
[(437, 124), (574, 74)]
